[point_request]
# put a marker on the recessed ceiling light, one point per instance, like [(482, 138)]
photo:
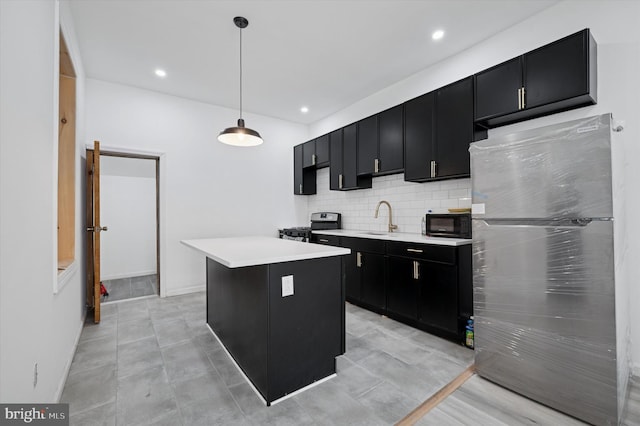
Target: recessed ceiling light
[(437, 35), (304, 110), (161, 73)]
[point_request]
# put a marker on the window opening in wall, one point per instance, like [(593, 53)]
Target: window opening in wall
[(66, 159)]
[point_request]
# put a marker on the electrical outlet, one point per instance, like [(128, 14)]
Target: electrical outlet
[(35, 374), (287, 286)]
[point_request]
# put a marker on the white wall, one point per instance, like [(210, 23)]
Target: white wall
[(208, 189), (36, 325), (128, 208), (614, 27)]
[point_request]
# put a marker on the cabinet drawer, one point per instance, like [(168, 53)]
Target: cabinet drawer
[(429, 252), (364, 245), (330, 240)]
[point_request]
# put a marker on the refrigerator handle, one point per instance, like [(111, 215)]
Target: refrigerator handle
[(569, 222)]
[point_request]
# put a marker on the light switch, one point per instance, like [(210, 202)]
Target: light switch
[(287, 285)]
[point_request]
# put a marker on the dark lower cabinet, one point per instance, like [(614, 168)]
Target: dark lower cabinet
[(402, 288), (438, 296), (364, 271), (424, 285)]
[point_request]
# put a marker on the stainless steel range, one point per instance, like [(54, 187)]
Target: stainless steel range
[(320, 220)]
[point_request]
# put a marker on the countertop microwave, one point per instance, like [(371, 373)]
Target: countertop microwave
[(449, 225)]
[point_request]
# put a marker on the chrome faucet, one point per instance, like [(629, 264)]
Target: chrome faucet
[(391, 225)]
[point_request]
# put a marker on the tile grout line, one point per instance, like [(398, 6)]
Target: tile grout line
[(422, 409)]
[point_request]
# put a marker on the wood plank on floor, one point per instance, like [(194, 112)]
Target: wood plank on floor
[(422, 409)]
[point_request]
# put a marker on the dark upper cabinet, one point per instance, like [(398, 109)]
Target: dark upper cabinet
[(309, 154), (553, 78), (391, 141), (497, 89), (381, 143), (438, 130), (315, 153), (344, 160), (558, 71), (304, 179), (322, 151), (454, 129), (335, 155), (367, 145), (419, 136)]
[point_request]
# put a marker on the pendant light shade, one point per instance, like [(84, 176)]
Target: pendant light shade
[(240, 135)]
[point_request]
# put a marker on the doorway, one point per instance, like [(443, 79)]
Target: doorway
[(129, 194)]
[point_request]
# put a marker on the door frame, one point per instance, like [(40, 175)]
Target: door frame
[(161, 243)]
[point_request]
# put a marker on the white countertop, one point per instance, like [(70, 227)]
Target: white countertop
[(237, 252), (395, 236)]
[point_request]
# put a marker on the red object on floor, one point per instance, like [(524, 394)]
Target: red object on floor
[(103, 290)]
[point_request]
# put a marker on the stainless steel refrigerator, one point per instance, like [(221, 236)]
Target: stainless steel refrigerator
[(551, 316)]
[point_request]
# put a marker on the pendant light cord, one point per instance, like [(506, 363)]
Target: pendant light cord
[(240, 73)]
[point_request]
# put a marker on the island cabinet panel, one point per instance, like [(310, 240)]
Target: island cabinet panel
[(282, 342), (305, 329), (231, 291)]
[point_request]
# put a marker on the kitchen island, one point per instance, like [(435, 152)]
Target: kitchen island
[(277, 307)]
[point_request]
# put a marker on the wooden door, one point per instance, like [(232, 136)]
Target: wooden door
[(93, 230)]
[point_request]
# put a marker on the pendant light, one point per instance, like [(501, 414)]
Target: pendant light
[(240, 135)]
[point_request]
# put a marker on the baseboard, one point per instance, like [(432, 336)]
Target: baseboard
[(67, 368), (128, 275), (185, 290)]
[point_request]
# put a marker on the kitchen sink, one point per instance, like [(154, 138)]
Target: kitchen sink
[(388, 234)]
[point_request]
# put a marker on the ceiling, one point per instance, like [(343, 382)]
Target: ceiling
[(323, 54)]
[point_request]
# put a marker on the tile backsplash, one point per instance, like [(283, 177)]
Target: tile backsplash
[(409, 201)]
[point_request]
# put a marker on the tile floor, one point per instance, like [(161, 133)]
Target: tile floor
[(154, 362), (129, 288)]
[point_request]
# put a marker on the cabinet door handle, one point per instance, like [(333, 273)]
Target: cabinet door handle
[(300, 189), (376, 165), (519, 100), (522, 95), (434, 168), (322, 240), (412, 250), (359, 260), (313, 159), (340, 181), (417, 266)]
